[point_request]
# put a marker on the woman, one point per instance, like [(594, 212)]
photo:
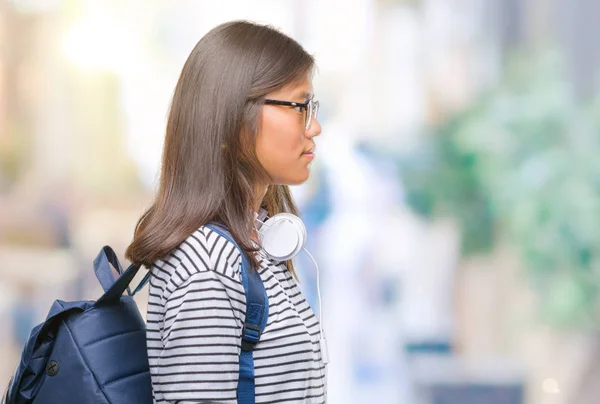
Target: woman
[(241, 128)]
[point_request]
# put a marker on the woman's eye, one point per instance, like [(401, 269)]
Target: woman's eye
[(299, 108)]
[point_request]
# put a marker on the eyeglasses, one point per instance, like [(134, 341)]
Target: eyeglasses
[(310, 107)]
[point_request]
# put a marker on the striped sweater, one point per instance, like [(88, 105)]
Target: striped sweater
[(196, 309)]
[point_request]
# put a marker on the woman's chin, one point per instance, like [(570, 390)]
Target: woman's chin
[(297, 179)]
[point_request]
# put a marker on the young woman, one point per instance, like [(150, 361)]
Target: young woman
[(241, 128)]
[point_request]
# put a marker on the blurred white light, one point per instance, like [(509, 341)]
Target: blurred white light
[(95, 44), (550, 386), (36, 6)]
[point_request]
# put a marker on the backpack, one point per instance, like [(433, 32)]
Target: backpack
[(90, 352)]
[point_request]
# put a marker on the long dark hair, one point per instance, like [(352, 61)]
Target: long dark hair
[(209, 166)]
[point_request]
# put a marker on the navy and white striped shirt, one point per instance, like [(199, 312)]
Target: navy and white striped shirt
[(196, 309)]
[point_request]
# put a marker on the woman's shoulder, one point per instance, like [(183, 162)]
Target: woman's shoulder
[(203, 250)]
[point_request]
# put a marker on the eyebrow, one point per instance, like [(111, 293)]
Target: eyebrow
[(306, 95)]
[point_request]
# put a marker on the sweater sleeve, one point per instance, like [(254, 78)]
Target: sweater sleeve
[(203, 319)]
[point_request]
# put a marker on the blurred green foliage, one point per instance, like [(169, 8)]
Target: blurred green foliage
[(14, 155), (522, 165)]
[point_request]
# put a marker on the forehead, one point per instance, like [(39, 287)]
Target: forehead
[(300, 90)]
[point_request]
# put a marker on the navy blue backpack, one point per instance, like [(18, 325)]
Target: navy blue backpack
[(94, 352)]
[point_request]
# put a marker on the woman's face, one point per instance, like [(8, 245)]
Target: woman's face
[(283, 143)]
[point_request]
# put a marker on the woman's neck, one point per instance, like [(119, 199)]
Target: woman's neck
[(260, 192)]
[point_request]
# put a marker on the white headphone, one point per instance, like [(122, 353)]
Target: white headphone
[(282, 237)]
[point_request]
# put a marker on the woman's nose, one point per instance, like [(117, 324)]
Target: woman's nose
[(314, 129)]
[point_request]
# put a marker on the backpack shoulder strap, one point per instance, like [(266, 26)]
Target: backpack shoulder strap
[(257, 313)]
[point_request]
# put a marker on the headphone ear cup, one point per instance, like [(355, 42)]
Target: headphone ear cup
[(282, 236), (300, 227)]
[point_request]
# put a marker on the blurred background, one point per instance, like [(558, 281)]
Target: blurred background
[(453, 206)]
